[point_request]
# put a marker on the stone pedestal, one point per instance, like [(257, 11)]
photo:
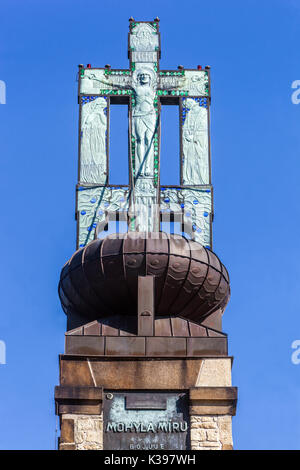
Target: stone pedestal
[(146, 363), (88, 382), (144, 381)]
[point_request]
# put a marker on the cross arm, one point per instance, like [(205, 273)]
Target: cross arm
[(184, 83), (104, 81)]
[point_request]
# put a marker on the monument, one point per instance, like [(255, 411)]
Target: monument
[(146, 364)]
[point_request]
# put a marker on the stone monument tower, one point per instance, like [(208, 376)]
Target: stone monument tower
[(146, 363)]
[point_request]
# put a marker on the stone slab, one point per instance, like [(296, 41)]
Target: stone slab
[(78, 400), (130, 373), (149, 427), (213, 401)]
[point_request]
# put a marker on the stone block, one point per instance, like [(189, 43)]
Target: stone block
[(213, 400), (215, 372), (88, 432), (212, 435), (65, 446), (209, 448), (225, 426), (67, 431), (134, 373), (209, 425), (198, 435)]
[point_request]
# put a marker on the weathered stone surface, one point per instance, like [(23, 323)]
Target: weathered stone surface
[(66, 446), (67, 431), (78, 400), (211, 433), (133, 373), (207, 432), (209, 448), (215, 372), (87, 432), (213, 401), (225, 426), (198, 434), (209, 425)]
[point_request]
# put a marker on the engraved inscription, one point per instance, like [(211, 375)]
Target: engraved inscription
[(149, 427), (160, 421)]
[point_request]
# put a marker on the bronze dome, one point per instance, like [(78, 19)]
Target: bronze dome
[(101, 279)]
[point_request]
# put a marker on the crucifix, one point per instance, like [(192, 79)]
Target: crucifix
[(144, 88), (144, 291)]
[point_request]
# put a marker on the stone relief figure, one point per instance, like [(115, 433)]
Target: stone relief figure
[(197, 84), (93, 142), (144, 38), (195, 144), (193, 82), (144, 120), (94, 80)]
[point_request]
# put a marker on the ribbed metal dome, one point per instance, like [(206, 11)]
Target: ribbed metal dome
[(101, 279)]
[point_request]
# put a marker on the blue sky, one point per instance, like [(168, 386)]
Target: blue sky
[(253, 49)]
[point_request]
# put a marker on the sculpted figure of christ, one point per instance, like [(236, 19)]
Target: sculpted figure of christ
[(144, 123), (143, 117)]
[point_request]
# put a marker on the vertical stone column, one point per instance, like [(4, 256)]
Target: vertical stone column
[(212, 405), (81, 432), (212, 432), (81, 417)]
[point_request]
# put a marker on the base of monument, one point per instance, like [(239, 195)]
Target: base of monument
[(142, 403)]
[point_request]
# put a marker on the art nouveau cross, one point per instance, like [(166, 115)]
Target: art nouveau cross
[(144, 88)]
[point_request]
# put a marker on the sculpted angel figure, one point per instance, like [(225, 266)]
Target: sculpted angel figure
[(93, 145), (195, 144)]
